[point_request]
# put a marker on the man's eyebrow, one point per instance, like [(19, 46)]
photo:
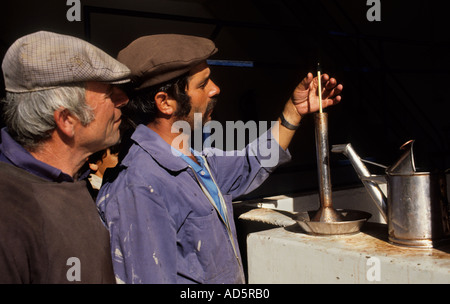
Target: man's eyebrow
[(206, 78), (109, 90)]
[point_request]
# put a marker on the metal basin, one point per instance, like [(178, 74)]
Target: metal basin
[(351, 222)]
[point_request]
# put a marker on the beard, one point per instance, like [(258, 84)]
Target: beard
[(183, 108), (186, 113), (197, 120), (210, 107)]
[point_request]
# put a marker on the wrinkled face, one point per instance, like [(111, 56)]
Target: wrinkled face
[(203, 93), (106, 101)]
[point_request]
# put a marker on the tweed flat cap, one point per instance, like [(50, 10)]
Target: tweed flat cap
[(45, 60), (156, 59)]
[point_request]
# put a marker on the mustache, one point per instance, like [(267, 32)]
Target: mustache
[(211, 104)]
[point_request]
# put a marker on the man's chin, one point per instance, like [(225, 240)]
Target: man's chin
[(207, 117)]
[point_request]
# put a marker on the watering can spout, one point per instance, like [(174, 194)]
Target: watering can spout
[(405, 165), (369, 181)]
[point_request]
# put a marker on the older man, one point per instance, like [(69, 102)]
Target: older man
[(169, 209), (62, 104)]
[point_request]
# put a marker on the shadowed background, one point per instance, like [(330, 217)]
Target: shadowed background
[(395, 72)]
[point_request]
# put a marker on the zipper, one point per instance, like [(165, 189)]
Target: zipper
[(222, 203)]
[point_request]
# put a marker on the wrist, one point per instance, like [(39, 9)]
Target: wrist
[(287, 124), (291, 114)]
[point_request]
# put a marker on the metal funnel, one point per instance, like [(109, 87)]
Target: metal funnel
[(327, 220), (351, 222)]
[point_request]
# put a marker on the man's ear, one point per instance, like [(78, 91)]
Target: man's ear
[(93, 167), (65, 122), (165, 104)]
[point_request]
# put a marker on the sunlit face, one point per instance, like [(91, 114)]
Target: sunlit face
[(106, 101), (203, 93)]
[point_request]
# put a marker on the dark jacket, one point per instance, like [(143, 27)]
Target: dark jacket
[(50, 232)]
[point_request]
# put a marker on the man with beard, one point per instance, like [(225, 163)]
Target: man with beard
[(169, 208)]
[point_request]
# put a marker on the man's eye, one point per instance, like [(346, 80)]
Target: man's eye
[(108, 94)]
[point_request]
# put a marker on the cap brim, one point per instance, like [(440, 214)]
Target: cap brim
[(122, 81)]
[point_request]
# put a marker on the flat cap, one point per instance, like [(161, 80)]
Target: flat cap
[(45, 60), (156, 59)]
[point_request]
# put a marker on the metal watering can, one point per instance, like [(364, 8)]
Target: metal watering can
[(416, 207)]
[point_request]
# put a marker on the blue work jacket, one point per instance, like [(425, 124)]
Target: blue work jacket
[(163, 227)]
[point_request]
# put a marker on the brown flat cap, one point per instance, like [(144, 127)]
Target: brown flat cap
[(156, 59), (45, 60)]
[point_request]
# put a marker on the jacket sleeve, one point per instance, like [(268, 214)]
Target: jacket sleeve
[(240, 172), (143, 238)]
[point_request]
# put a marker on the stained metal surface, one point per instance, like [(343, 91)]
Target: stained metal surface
[(417, 209), (326, 213), (350, 222)]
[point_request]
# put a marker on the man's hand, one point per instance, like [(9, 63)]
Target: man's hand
[(306, 98)]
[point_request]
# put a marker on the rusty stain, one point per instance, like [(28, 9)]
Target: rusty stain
[(373, 241)]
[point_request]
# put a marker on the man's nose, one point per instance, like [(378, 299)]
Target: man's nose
[(215, 90)]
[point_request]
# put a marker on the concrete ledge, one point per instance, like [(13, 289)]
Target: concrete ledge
[(287, 255)]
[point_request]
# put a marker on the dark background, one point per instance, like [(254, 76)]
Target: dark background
[(395, 72)]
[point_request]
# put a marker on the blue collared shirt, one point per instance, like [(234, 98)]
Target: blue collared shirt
[(204, 175), (13, 153)]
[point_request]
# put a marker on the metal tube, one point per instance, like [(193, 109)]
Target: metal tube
[(326, 213), (322, 154)]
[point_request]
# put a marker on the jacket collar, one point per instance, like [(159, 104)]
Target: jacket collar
[(150, 141), (13, 153)]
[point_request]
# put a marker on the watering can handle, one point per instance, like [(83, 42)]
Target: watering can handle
[(374, 163), (379, 179)]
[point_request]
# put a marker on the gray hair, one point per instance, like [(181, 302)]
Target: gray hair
[(29, 116)]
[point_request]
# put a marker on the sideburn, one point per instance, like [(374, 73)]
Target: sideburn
[(183, 99)]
